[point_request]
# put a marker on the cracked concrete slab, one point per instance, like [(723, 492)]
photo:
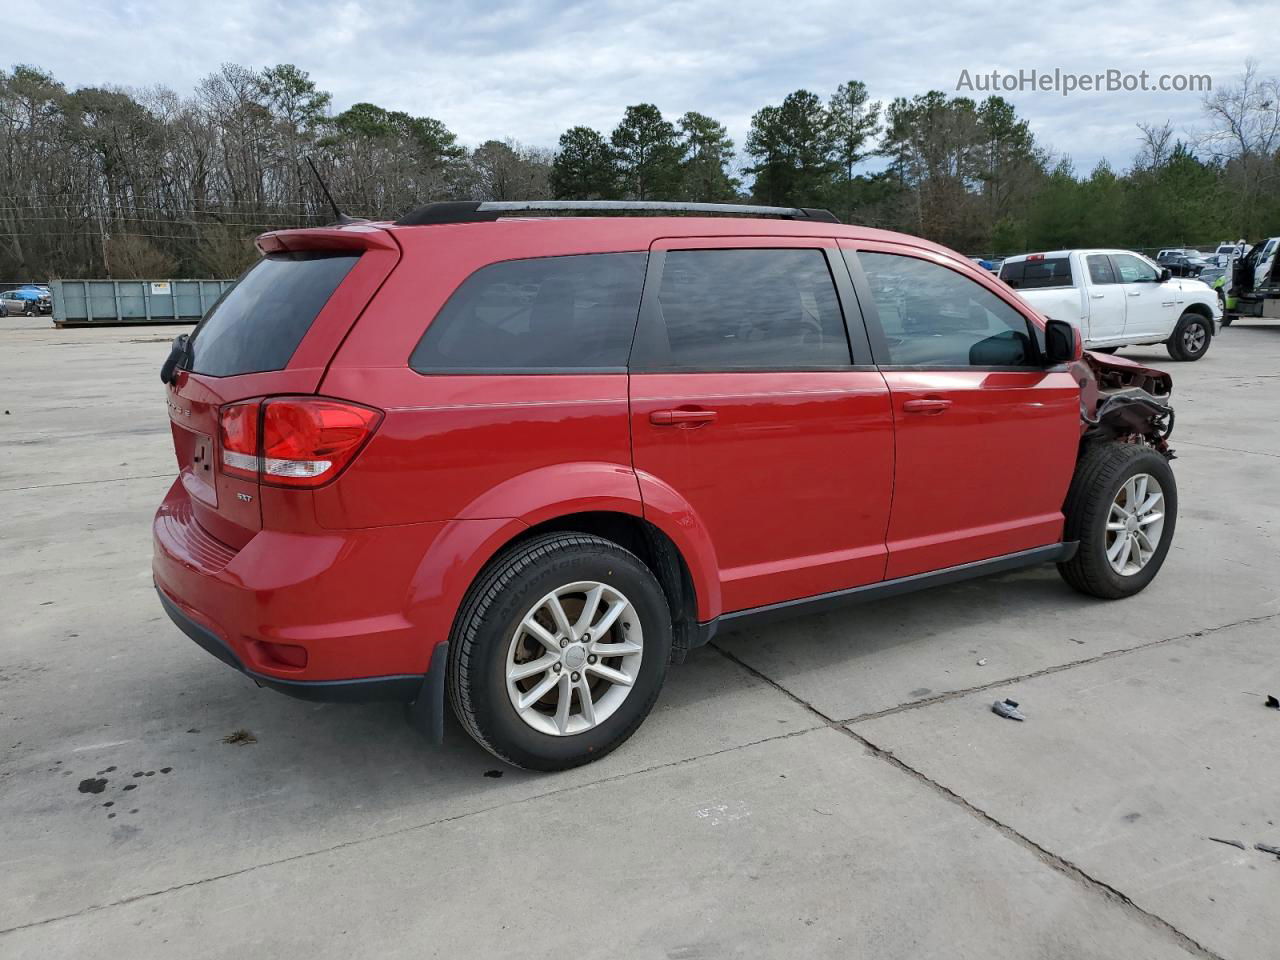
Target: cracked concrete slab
[(339, 827), (801, 847), (1126, 768)]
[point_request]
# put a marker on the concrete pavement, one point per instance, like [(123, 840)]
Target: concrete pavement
[(835, 786)]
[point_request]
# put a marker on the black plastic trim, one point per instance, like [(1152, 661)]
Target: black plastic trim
[(426, 712), (396, 687), (1053, 553)]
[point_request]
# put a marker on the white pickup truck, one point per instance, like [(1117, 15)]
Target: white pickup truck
[(1118, 298)]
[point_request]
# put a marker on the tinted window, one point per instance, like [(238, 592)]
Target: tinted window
[(1132, 270), (259, 322), (933, 316), (546, 314), (748, 309), (1100, 269), (1032, 274)]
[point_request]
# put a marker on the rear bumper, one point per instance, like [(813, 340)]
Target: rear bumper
[(404, 687), (423, 694)]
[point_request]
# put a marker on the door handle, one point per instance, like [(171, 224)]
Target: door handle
[(927, 407), (1097, 296), (1135, 293), (676, 418)]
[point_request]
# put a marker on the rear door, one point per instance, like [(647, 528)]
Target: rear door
[(748, 404), (273, 332), (1106, 300), (986, 435)]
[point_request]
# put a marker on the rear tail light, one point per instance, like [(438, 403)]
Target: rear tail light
[(293, 441)]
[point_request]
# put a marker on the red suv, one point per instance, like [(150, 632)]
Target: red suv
[(531, 461)]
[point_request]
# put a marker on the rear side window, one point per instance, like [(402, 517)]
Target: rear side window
[(258, 323), (545, 315), (1036, 274), (745, 309), (1100, 269)]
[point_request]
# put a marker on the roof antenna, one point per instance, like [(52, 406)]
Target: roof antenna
[(341, 218)]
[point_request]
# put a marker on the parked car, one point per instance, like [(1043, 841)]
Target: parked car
[(28, 301), (1226, 251), (527, 463), (1118, 298), (1182, 265)]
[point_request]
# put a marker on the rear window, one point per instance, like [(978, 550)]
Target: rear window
[(543, 315), (257, 324), (1035, 274)]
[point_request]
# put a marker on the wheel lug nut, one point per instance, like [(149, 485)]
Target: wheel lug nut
[(556, 667), (564, 642), (586, 638), (591, 659), (574, 677)]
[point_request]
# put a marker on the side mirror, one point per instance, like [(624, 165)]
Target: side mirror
[(1165, 274), (1062, 342)]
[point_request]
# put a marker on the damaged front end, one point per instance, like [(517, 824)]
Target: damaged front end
[(1124, 401)]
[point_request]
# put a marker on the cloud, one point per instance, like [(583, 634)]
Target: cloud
[(530, 69)]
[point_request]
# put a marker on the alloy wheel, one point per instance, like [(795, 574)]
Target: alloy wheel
[(1194, 338), (574, 658), (1135, 524)]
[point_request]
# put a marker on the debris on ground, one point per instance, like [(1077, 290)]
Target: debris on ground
[(1273, 703), (93, 785), (240, 737), (1267, 848), (493, 774), (1229, 843), (982, 662), (1007, 708)]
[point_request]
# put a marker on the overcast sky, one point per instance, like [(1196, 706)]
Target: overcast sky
[(528, 70)]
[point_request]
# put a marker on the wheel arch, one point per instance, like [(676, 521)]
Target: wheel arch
[(651, 544), (1203, 310)]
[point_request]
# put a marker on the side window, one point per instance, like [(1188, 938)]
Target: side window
[(935, 317), (1132, 270), (1100, 269), (542, 315), (744, 309)]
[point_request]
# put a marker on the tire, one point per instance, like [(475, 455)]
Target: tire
[(1103, 472), (1190, 339), (490, 634)]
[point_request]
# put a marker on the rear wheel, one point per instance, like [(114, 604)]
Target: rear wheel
[(1190, 340), (1121, 509), (559, 651)]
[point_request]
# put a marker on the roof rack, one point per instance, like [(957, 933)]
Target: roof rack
[(478, 211)]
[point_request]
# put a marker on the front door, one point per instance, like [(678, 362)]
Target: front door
[(1151, 306), (986, 435), (747, 406)]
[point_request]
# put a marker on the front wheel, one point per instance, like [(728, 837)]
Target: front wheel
[(1122, 508), (1190, 339), (559, 652)]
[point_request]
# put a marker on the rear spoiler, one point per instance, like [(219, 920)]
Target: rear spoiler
[(358, 237)]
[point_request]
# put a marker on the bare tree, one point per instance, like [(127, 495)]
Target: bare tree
[(1244, 135)]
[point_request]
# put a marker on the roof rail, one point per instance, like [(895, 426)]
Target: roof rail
[(477, 211)]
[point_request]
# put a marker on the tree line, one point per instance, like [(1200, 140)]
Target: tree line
[(149, 183)]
